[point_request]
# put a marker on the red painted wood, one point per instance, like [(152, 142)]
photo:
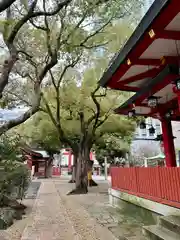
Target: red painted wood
[(173, 35), (150, 73), (168, 143), (157, 184), (158, 26), (167, 80)]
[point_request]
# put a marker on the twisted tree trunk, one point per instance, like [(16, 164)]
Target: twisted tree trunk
[(81, 181)]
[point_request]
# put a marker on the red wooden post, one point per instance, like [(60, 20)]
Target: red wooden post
[(168, 143), (178, 98), (177, 92)]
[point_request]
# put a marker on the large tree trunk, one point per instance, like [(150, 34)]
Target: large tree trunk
[(48, 169), (81, 185)]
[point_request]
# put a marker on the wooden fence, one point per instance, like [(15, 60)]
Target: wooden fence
[(157, 184)]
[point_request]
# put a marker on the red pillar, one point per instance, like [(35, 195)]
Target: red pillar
[(168, 143), (178, 97)]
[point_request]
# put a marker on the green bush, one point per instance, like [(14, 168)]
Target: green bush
[(14, 179)]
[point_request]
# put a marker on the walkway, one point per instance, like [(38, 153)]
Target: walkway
[(56, 216)]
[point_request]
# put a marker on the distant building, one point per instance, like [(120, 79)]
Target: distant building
[(144, 141), (145, 134), (144, 144)]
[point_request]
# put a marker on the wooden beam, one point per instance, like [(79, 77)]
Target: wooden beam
[(118, 86), (165, 34), (156, 62), (147, 74), (147, 62)]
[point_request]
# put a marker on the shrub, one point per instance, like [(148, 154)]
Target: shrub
[(14, 179)]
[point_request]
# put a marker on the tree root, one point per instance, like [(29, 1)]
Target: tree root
[(77, 191), (71, 181), (92, 183)]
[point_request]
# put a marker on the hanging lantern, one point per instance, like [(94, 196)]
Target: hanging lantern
[(178, 84), (152, 102), (152, 130), (142, 125), (131, 113)]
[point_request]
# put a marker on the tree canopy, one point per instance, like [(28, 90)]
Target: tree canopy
[(37, 35), (55, 55), (76, 98)]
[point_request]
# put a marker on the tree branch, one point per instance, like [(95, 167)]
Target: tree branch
[(4, 4), (31, 14), (96, 116), (18, 97), (35, 108), (49, 111), (95, 33)]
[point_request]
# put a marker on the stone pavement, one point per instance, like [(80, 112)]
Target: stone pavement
[(124, 222), (56, 216)]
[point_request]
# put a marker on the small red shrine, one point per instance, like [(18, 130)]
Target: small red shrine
[(39, 159), (149, 66)]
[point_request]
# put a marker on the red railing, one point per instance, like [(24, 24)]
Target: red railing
[(156, 184)]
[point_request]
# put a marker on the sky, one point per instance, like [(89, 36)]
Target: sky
[(6, 114)]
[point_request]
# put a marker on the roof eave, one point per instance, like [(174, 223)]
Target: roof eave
[(142, 28)]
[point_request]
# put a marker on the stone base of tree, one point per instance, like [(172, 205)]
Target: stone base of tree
[(92, 183), (10, 210), (12, 203), (8, 215), (79, 190)]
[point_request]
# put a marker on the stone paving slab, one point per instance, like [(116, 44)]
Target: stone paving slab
[(50, 220)]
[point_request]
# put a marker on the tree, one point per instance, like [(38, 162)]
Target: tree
[(39, 132), (27, 30), (113, 146), (112, 130), (88, 117), (79, 42), (143, 150), (45, 25), (85, 114)]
